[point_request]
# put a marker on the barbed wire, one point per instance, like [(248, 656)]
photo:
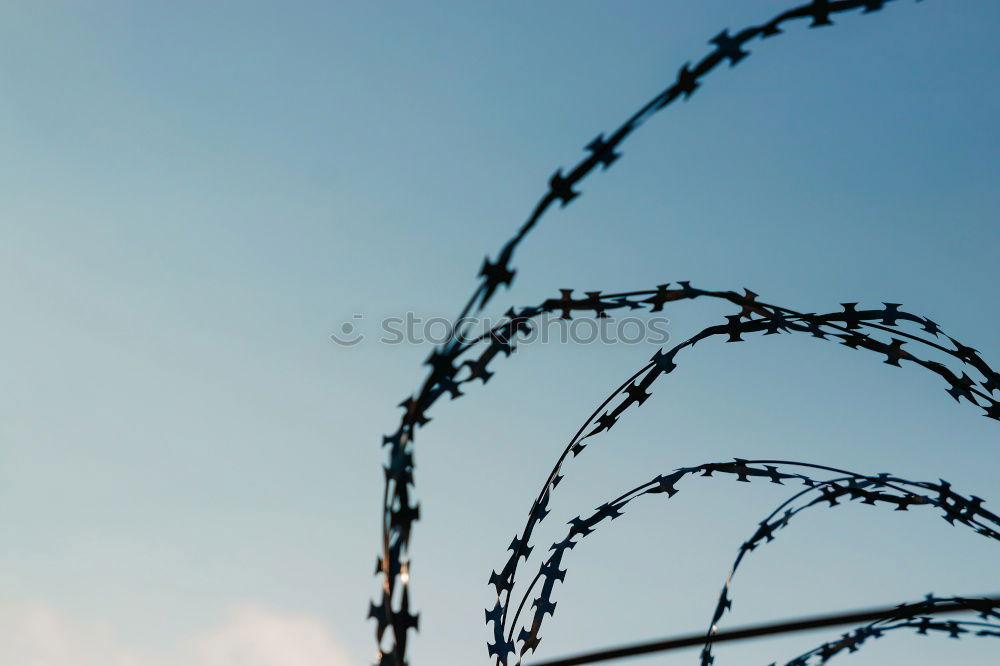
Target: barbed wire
[(848, 326), (909, 616), (941, 606), (755, 317), (449, 370), (829, 493), (878, 490)]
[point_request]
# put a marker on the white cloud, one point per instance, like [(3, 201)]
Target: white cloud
[(256, 636), (36, 634)]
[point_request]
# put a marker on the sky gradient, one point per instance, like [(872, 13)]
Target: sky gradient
[(195, 196)]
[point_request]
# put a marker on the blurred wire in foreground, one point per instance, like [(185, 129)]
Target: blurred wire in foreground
[(756, 631)]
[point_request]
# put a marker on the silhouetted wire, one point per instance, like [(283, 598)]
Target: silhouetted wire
[(755, 317), (392, 614), (872, 490), (916, 618), (769, 319), (757, 631)]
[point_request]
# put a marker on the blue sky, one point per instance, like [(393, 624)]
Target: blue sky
[(195, 196)]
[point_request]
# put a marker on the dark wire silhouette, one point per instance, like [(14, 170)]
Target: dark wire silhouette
[(916, 616), (452, 366), (879, 490)]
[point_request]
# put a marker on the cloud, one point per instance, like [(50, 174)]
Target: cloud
[(36, 634), (257, 636)]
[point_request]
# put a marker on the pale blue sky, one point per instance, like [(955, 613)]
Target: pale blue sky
[(193, 196)]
